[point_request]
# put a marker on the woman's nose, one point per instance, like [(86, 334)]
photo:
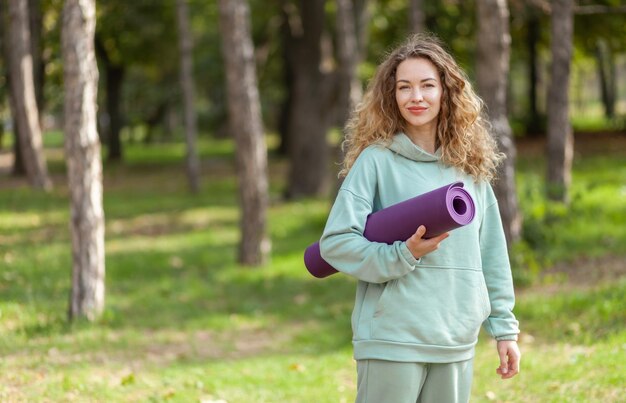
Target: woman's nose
[(417, 94)]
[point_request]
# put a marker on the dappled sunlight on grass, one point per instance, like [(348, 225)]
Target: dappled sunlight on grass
[(169, 243), (164, 223), (269, 377), (221, 220), (581, 315), (35, 236), (594, 222), (184, 322), (26, 220), (557, 371)]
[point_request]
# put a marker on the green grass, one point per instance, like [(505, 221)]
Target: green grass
[(595, 122), (184, 322), (593, 224)]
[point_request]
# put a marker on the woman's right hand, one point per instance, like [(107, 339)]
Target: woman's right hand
[(420, 246)]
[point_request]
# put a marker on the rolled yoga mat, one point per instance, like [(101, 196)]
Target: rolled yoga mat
[(440, 210)]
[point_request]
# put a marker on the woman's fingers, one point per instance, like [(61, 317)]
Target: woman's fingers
[(434, 242), (420, 246), (419, 233), (440, 238), (421, 230)]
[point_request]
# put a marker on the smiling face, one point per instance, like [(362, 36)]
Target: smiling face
[(418, 95)]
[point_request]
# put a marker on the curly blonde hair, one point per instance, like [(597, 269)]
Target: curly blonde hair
[(463, 134)]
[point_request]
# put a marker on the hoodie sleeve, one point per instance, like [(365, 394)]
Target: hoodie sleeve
[(343, 244), (501, 323)]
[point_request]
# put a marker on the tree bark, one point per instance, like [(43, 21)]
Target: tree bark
[(186, 79), (84, 166), (363, 16), (309, 173), (492, 69), (23, 93), (114, 76), (18, 168), (246, 123), (349, 85), (287, 51), (416, 16), (606, 75), (35, 23), (560, 136), (533, 126)]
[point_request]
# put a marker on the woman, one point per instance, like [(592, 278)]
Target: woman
[(420, 303)]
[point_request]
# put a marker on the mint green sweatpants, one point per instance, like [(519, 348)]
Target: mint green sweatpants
[(410, 382)]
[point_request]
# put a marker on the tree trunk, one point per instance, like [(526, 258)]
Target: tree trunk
[(186, 80), (114, 75), (363, 16), (114, 80), (606, 75), (560, 136), (533, 126), (155, 119), (246, 123), (18, 169), (310, 118), (349, 85), (35, 23), (22, 89), (287, 103), (1, 134), (416, 16), (352, 23), (3, 54), (84, 166), (492, 69)]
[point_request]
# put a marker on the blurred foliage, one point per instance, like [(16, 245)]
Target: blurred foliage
[(607, 26), (142, 36)]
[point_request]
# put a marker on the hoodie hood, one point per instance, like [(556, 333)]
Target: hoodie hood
[(402, 144)]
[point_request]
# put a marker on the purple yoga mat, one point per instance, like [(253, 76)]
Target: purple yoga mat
[(440, 210)]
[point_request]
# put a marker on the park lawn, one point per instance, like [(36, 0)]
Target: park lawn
[(184, 322)]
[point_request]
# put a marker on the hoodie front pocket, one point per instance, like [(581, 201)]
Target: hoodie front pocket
[(388, 291), (366, 307), (436, 306)]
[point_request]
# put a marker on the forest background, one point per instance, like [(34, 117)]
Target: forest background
[(205, 296)]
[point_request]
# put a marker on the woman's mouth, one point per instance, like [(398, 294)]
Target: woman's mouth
[(416, 110)]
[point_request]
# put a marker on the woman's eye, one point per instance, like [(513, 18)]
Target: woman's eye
[(404, 87)]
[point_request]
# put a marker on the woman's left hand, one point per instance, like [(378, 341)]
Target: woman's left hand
[(509, 359)]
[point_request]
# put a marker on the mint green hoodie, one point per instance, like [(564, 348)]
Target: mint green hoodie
[(426, 310)]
